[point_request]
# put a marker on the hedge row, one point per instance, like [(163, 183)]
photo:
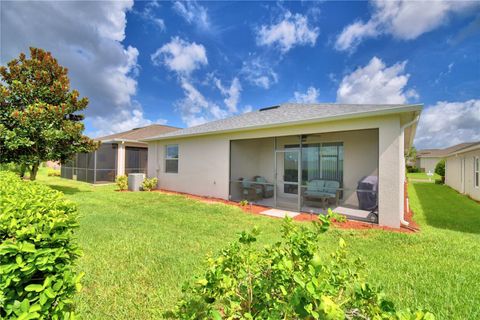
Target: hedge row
[(37, 251)]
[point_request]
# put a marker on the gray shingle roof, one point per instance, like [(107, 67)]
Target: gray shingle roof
[(139, 133), (285, 114)]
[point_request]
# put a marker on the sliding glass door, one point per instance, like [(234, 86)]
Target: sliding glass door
[(320, 161)]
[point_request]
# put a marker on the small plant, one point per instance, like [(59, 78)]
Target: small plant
[(149, 184), (53, 173), (333, 216), (122, 182), (243, 203), (292, 279)]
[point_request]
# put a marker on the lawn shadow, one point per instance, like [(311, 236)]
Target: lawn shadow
[(445, 208), (67, 190)]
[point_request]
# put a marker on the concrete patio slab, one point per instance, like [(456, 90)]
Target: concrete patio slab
[(279, 213)]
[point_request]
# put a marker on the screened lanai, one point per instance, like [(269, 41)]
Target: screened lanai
[(104, 164), (94, 167), (309, 173)]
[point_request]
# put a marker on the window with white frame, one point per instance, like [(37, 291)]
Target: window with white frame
[(476, 173), (171, 158)]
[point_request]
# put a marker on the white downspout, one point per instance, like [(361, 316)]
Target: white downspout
[(402, 220)]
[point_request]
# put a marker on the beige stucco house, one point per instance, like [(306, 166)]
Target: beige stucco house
[(120, 153), (298, 157), (462, 170), (427, 159)]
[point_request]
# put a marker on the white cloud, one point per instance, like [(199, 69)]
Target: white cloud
[(402, 19), (310, 96), (193, 13), (247, 108), (353, 35), (291, 31), (99, 65), (148, 13), (195, 109), (181, 56), (448, 123), (122, 121), (258, 72), (376, 83), (232, 93)]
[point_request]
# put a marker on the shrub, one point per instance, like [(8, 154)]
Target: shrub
[(10, 167), (122, 182), (412, 169), (53, 173), (149, 184), (292, 279), (37, 251), (440, 168)]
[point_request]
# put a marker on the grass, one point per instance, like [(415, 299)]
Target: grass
[(139, 248), (422, 176)]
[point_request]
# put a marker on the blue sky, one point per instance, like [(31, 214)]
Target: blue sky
[(184, 63)]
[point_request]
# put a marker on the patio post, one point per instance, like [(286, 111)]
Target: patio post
[(299, 178), (275, 171), (95, 166)]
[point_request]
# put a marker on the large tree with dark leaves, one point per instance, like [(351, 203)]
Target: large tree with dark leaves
[(39, 119)]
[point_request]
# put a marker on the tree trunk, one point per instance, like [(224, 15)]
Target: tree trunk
[(34, 170), (23, 169)]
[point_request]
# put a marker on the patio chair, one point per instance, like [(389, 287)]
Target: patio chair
[(267, 189), (250, 190)]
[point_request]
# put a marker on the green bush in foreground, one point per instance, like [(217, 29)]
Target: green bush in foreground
[(122, 182), (289, 280), (149, 184), (37, 251)]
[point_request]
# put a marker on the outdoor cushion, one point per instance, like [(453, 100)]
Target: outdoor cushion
[(322, 188), (268, 187), (331, 186), (261, 179)]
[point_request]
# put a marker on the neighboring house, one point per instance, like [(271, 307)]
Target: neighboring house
[(427, 159), (301, 157), (462, 170), (119, 153)]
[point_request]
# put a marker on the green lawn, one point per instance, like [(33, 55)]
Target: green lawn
[(140, 247), (422, 176)]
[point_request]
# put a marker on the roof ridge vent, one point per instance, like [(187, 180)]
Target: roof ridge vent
[(269, 108)]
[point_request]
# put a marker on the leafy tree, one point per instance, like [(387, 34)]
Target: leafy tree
[(39, 118), (411, 155)]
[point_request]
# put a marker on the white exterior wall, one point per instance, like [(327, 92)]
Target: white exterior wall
[(428, 164), (204, 160), (462, 180)]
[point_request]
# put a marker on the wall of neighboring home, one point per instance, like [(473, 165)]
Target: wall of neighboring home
[(460, 173), (203, 165), (428, 163)]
